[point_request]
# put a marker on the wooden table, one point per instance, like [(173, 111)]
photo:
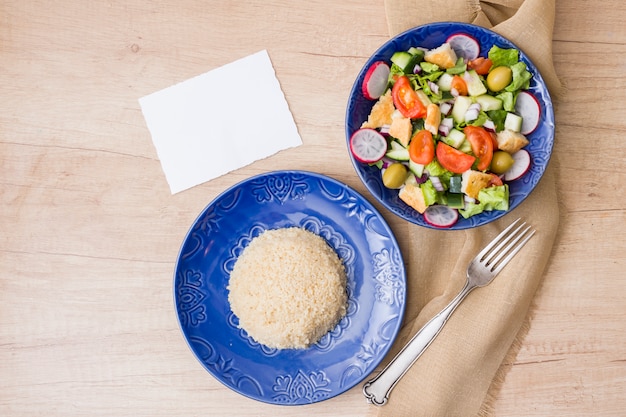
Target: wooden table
[(90, 231)]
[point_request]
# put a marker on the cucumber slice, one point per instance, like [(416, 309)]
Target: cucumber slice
[(416, 169), (398, 155), (461, 104), (397, 152), (419, 53), (405, 61), (475, 86), (423, 97), (401, 58), (466, 147), (488, 103), (445, 82), (455, 138), (513, 122), (455, 200), (455, 185)]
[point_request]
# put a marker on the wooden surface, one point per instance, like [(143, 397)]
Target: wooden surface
[(90, 232)]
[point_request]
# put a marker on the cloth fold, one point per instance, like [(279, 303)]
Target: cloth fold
[(460, 372)]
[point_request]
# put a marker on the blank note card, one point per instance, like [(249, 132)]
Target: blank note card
[(219, 121)]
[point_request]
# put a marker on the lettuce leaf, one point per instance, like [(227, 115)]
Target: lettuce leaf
[(508, 100), (480, 120), (435, 169), (495, 198), (422, 82), (430, 194), (491, 198), (521, 78), (394, 71), (503, 57), (471, 209), (459, 68), (498, 117), (428, 67)]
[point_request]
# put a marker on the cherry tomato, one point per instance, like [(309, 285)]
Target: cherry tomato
[(406, 100), (453, 160), (480, 65), (482, 145), (422, 147), (459, 84)]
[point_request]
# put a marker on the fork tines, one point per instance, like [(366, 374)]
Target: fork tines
[(502, 249)]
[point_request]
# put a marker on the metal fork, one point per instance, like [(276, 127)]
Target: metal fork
[(480, 272)]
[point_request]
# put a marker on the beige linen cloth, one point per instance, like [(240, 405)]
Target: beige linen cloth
[(459, 374)]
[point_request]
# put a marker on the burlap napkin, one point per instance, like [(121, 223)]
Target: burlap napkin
[(460, 372)]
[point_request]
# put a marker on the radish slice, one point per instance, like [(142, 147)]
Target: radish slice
[(441, 216), (368, 145), (521, 164), (465, 46), (527, 106), (376, 80)]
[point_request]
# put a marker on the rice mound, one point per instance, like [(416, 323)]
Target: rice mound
[(288, 288)]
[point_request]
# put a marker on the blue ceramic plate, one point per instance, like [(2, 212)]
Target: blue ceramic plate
[(376, 287), (431, 36)]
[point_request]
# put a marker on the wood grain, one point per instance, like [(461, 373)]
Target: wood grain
[(90, 232)]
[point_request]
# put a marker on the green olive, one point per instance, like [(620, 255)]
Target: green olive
[(502, 161), (499, 78), (395, 175)]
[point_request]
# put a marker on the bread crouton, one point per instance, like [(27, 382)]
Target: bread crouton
[(401, 129), (412, 195), (381, 112), (474, 181), (433, 118), (511, 141), (443, 56)]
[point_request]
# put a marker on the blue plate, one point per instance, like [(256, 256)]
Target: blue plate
[(431, 36), (376, 287)]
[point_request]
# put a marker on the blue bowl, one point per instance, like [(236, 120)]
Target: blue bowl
[(431, 36)]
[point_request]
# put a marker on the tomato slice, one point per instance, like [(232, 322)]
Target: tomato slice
[(480, 65), (495, 180), (406, 100), (454, 160), (459, 84), (422, 147), (494, 140), (482, 145)]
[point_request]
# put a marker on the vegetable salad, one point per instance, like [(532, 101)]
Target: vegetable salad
[(445, 129)]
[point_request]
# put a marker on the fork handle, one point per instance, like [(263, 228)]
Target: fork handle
[(377, 389)]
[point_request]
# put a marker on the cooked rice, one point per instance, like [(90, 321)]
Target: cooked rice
[(288, 288)]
